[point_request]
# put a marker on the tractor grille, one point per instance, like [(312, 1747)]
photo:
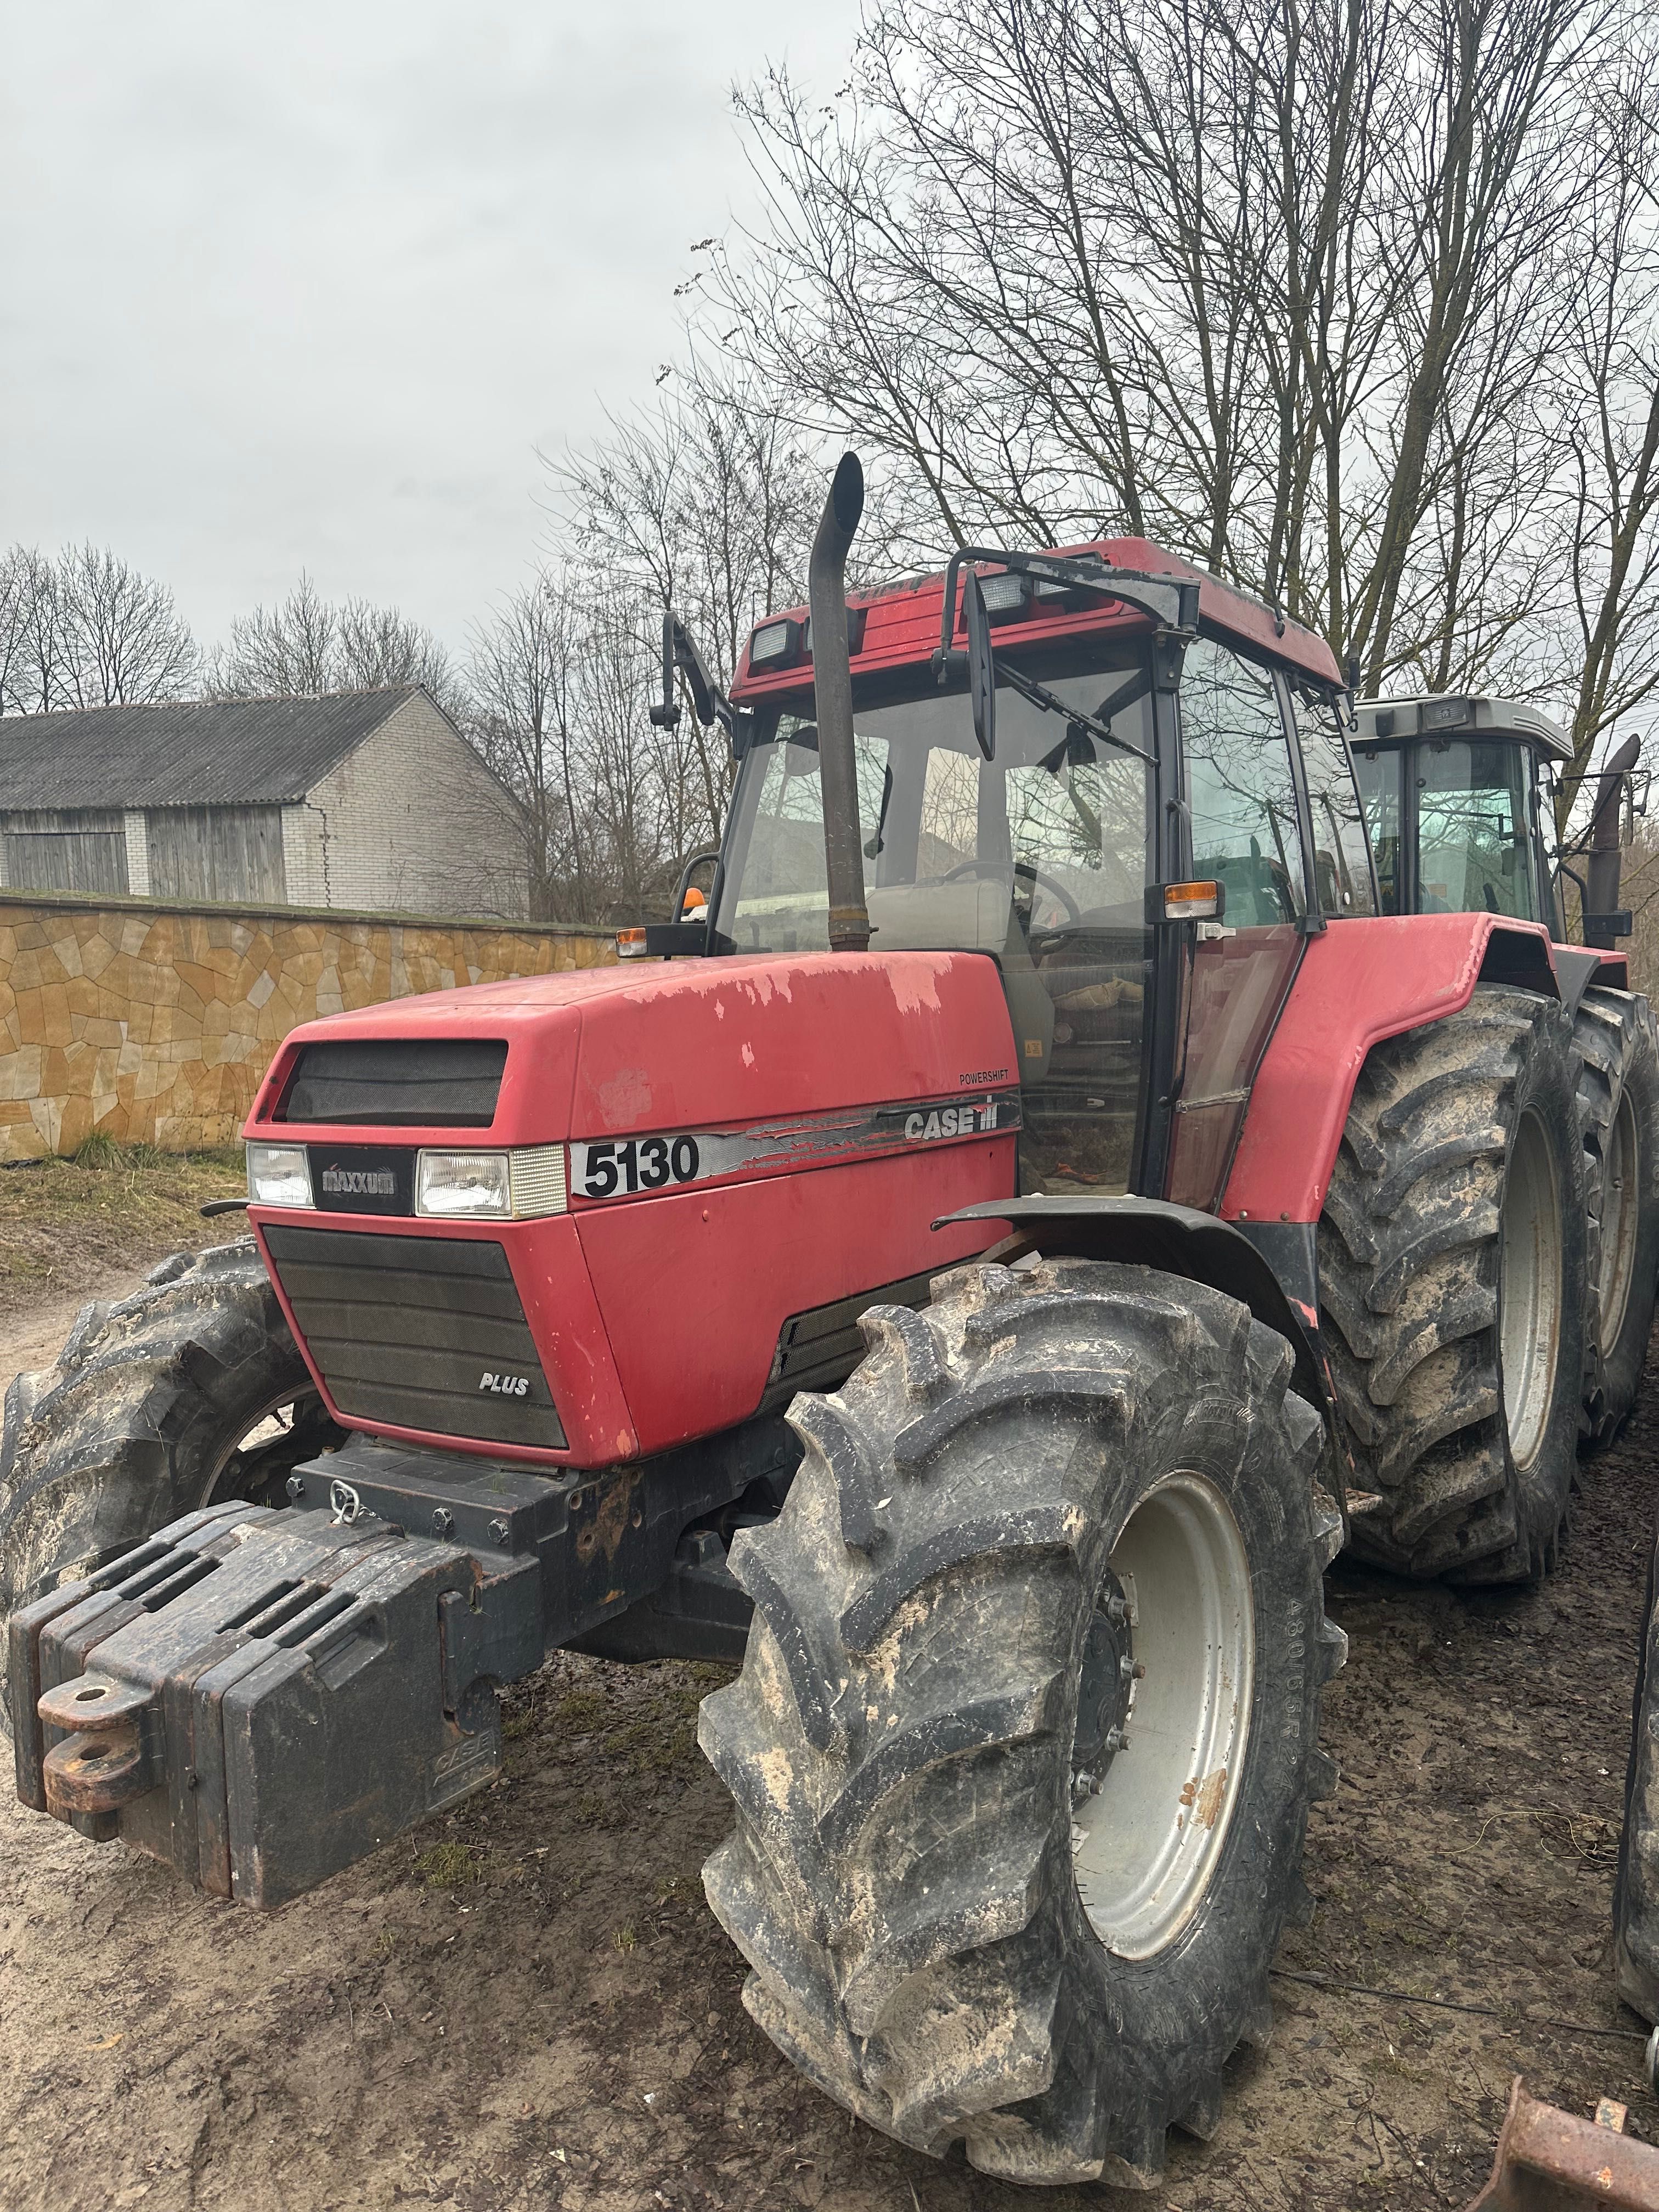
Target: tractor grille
[(423, 1333)]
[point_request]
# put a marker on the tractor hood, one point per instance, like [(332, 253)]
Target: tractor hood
[(588, 1218), (618, 1052)]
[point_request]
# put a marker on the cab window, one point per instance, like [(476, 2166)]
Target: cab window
[(1473, 852), (1380, 776), (1240, 789), (1342, 867)]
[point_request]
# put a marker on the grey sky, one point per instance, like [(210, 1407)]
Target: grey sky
[(307, 285)]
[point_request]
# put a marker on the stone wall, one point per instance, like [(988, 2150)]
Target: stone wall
[(155, 1025)]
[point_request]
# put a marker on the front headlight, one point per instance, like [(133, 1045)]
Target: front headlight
[(278, 1175), (464, 1185), (523, 1184)]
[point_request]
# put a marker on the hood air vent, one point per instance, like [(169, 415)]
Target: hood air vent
[(396, 1083)]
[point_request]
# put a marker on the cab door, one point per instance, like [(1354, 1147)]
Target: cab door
[(1242, 798)]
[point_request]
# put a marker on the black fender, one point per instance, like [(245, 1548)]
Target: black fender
[(1269, 1267), (1554, 971)]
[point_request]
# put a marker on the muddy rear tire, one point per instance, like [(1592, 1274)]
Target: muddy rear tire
[(191, 1389), (1635, 1885), (1452, 1280), (1046, 1480), (1619, 1106)]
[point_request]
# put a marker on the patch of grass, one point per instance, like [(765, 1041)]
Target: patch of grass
[(667, 1747), (514, 1725), (625, 1939), (590, 1808), (100, 1153), (63, 1222), (447, 1866), (579, 1712)]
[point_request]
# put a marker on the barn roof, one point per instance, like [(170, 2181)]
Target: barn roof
[(203, 752)]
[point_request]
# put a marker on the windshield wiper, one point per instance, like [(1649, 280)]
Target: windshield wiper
[(1039, 695), (872, 850)]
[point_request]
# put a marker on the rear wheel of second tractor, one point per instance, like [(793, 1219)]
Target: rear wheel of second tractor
[(1026, 1735), (1619, 1104), (1453, 1286)]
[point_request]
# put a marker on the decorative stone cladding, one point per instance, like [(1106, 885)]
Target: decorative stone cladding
[(157, 1025)]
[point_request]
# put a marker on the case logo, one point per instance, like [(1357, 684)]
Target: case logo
[(951, 1122)]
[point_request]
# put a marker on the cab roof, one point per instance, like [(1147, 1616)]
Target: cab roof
[(901, 627), (1387, 722)]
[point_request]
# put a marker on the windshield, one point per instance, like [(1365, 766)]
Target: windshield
[(1474, 843), (1472, 849), (1038, 857), (959, 851)]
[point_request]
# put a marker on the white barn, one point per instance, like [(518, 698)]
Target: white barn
[(371, 800)]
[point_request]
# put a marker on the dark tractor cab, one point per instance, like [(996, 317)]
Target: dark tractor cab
[(1458, 795)]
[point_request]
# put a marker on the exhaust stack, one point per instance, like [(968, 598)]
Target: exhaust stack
[(1604, 856), (832, 684)]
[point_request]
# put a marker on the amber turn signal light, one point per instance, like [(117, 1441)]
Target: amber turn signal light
[(631, 944), (1195, 902)]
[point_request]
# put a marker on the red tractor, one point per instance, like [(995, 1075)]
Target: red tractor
[(1460, 801), (923, 1292)]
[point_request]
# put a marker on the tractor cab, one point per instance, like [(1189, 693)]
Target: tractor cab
[(1458, 796), (1132, 793)]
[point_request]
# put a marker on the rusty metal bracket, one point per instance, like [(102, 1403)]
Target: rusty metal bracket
[(1549, 2162)]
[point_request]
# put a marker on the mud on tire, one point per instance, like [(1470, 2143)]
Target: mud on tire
[(1635, 1885), (1618, 1109), (1452, 1273), (939, 1596), (144, 1417)]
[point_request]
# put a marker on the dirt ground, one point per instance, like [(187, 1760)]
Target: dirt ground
[(68, 1228), (528, 2005)]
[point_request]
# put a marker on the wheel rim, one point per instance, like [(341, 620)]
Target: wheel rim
[(1620, 1182), (1146, 1845), (1529, 1318), (259, 1453)]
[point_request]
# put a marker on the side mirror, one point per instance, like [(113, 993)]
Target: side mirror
[(981, 665), (667, 715)]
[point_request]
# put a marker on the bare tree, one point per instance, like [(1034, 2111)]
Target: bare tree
[(705, 504), (289, 651), (1275, 281), (15, 593), (1602, 404), (87, 631), (306, 646), (127, 643), (522, 674)]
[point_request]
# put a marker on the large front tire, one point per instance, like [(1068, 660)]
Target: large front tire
[(191, 1389), (1049, 1479)]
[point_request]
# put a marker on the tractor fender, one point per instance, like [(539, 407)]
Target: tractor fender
[(1269, 1268), (1360, 983)]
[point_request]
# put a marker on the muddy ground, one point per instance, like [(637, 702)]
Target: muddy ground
[(528, 2004)]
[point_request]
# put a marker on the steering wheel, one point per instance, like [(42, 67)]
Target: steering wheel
[(1068, 906)]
